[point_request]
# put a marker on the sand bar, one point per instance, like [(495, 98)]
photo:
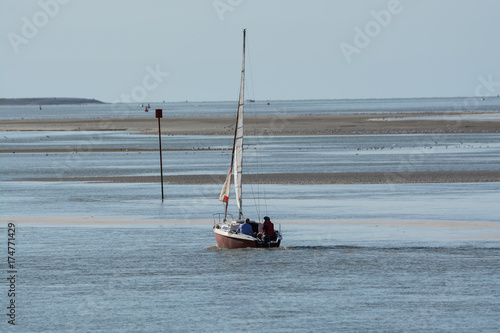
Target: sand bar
[(341, 124), (99, 150), (124, 220), (303, 178)]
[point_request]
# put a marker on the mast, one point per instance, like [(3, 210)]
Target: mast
[(238, 144)]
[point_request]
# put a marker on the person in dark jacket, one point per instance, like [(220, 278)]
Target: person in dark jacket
[(268, 228)]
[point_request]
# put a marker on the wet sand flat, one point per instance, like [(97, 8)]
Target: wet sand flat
[(304, 178), (341, 124), (272, 125)]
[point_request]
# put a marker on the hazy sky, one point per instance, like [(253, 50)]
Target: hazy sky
[(175, 50)]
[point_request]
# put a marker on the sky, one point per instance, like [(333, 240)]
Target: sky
[(177, 50)]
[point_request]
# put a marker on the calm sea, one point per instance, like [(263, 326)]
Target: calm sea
[(383, 275), (171, 278), (210, 109)]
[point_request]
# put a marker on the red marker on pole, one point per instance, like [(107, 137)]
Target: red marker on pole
[(159, 114)]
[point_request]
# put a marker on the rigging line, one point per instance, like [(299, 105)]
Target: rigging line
[(251, 107), (265, 199), (250, 69), (258, 159), (257, 206)]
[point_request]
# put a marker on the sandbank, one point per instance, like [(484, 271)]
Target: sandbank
[(118, 220), (302, 178), (340, 124)]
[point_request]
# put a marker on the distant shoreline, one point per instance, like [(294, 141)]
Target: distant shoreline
[(48, 101)]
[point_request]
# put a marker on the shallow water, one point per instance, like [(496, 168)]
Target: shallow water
[(213, 109), (274, 154), (466, 117), (370, 153), (327, 278), (308, 203)]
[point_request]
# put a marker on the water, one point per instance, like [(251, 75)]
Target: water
[(365, 257), (307, 203), (296, 154), (211, 109), (328, 278), (327, 153)]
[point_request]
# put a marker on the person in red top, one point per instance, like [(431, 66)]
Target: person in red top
[(268, 228)]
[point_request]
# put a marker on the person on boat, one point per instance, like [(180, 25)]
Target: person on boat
[(268, 229), (246, 228)]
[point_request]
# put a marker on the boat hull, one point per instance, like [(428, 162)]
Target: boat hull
[(228, 242), (235, 241)]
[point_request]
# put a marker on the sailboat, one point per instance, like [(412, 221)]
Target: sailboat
[(226, 231)]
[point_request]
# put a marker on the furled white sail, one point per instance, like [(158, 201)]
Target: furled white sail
[(224, 194), (238, 145)]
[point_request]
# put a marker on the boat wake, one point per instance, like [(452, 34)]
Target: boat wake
[(384, 248)]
